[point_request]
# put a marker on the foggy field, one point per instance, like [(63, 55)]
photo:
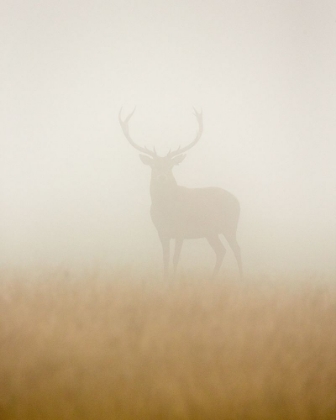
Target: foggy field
[(231, 106), (119, 345)]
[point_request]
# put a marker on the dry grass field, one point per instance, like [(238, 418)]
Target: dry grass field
[(115, 345)]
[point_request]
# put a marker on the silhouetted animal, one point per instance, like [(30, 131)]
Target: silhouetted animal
[(187, 213)]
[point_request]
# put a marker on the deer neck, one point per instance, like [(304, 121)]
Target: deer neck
[(163, 193)]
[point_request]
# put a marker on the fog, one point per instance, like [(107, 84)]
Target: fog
[(73, 190)]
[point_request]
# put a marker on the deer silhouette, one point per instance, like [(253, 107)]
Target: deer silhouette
[(187, 213)]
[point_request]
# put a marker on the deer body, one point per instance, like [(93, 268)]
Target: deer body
[(181, 213), (192, 213)]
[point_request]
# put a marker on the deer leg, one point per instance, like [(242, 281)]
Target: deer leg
[(219, 249), (177, 253), (166, 253), (237, 253)]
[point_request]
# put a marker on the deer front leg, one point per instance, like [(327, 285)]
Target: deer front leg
[(165, 242)]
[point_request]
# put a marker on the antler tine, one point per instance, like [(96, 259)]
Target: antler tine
[(199, 117), (125, 128), (174, 152), (124, 123)]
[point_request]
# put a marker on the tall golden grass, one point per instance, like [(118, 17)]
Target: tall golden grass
[(120, 346)]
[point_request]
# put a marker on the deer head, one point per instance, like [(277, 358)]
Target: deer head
[(161, 165)]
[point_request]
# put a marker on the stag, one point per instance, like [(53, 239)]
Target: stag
[(187, 213)]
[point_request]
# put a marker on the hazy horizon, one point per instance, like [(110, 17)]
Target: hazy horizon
[(73, 191)]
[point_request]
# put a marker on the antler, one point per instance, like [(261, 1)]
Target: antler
[(124, 126), (199, 118)]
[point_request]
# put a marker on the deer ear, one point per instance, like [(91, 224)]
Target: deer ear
[(178, 159), (146, 160)]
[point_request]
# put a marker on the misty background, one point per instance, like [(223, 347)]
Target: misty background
[(73, 191)]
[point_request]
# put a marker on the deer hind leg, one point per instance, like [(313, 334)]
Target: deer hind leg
[(177, 253), (219, 249), (236, 250)]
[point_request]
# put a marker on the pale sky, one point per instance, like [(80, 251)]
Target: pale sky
[(263, 72)]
